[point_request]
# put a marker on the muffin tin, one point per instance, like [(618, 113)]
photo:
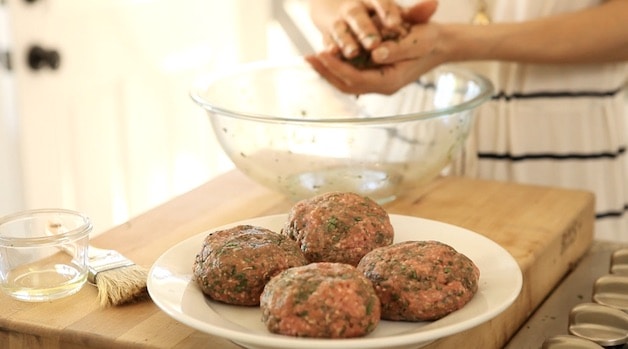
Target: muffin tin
[(612, 290), (602, 323), (619, 262), (564, 341)]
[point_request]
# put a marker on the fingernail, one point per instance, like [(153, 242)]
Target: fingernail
[(349, 51), (380, 54), (332, 48), (392, 21), (369, 41)]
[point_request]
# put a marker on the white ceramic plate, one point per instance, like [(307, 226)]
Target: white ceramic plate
[(171, 287)]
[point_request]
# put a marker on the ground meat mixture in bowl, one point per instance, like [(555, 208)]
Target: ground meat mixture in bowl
[(234, 264), (338, 227), (320, 300), (420, 280)]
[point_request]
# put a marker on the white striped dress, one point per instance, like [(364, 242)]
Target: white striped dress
[(556, 125)]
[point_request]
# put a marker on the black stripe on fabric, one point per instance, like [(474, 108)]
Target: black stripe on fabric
[(612, 214), (551, 156), (540, 94), (556, 94)]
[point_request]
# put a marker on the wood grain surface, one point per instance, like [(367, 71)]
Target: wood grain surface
[(546, 229)]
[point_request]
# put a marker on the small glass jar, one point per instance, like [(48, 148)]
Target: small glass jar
[(43, 253)]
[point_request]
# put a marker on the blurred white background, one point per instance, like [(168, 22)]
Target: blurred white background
[(112, 131)]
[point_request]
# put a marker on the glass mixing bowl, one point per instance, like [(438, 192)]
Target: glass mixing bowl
[(288, 129)]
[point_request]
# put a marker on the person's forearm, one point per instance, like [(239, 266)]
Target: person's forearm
[(598, 34)]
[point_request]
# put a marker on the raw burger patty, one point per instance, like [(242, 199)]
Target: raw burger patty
[(420, 280), (338, 227), (234, 264), (322, 300)]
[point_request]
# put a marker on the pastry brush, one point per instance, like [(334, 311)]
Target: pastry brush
[(118, 279)]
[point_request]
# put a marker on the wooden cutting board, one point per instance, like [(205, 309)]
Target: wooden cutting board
[(546, 229)]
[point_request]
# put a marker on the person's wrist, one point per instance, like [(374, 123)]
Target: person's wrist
[(448, 46), (467, 42)]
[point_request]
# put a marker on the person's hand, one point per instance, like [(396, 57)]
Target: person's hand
[(361, 25), (400, 61)]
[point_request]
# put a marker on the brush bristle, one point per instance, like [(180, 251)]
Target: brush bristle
[(122, 285)]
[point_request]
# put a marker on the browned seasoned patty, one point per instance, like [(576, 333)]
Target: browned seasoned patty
[(234, 264), (420, 280), (321, 300), (338, 227)]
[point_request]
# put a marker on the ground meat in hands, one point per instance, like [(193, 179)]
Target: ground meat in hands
[(363, 59)]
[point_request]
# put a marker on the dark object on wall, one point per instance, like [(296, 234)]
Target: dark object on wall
[(39, 58)]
